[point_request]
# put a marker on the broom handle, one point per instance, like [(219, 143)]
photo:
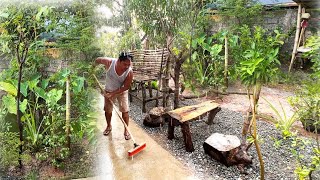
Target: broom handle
[(117, 112)]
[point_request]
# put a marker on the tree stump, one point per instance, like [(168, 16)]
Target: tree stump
[(228, 150), (155, 117)]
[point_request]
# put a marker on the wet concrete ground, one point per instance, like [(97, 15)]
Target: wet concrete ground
[(113, 162)]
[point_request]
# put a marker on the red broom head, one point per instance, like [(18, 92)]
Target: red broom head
[(136, 150)]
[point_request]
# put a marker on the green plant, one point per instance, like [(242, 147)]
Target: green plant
[(282, 122), (305, 165), (9, 155), (257, 66), (314, 43), (307, 104)]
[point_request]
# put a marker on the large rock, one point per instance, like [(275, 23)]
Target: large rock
[(155, 117), (228, 150)]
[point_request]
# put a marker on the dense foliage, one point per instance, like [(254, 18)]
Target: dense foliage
[(46, 36)]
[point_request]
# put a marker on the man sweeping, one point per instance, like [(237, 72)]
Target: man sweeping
[(119, 77)]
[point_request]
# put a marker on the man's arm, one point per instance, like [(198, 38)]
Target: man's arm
[(126, 85), (105, 61)]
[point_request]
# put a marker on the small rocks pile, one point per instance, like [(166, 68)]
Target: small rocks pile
[(279, 162)]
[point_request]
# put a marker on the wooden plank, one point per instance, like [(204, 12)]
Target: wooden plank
[(187, 113)]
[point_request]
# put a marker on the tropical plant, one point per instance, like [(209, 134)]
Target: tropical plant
[(307, 104), (208, 62), (282, 121), (9, 154), (314, 43), (258, 65), (20, 31)]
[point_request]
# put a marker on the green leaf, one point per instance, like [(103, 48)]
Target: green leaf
[(9, 88), (33, 83), (79, 83), (10, 103), (23, 105), (194, 44), (44, 83), (194, 55), (4, 15), (40, 92), (24, 89)]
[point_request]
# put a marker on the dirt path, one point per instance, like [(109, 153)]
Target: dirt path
[(152, 163), (276, 97)]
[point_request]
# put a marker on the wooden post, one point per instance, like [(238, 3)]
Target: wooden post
[(144, 96), (150, 88), (171, 129), (226, 63), (295, 47), (68, 103), (303, 10), (185, 128)]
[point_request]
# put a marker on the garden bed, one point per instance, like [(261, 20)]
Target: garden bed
[(279, 162)]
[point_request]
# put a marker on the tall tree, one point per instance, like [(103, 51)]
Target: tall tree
[(172, 23)]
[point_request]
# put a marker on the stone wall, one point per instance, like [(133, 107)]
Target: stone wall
[(4, 63)]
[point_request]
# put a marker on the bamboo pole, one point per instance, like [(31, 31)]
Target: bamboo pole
[(68, 112), (295, 47), (226, 63), (302, 29)]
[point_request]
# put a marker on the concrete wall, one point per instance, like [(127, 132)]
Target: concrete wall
[(283, 19), (4, 63)]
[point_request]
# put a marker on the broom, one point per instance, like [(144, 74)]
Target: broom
[(137, 148)]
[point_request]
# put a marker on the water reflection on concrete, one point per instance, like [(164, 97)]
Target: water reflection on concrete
[(113, 162)]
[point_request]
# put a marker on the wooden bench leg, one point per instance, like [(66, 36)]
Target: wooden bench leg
[(144, 98), (212, 114), (150, 89), (185, 128), (171, 128)]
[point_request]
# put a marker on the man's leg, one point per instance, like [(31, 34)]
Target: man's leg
[(124, 108), (125, 116), (108, 107)]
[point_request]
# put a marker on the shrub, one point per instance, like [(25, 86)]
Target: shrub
[(9, 146)]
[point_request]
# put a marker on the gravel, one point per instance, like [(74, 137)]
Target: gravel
[(279, 162)]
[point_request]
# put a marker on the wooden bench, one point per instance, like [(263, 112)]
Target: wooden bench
[(183, 115)]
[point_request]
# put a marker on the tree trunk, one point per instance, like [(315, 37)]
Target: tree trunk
[(228, 150), (177, 69), (20, 125), (255, 99)]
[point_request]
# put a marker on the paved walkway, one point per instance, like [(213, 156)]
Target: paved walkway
[(113, 162)]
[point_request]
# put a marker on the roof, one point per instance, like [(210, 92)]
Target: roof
[(309, 3), (275, 2), (267, 3)]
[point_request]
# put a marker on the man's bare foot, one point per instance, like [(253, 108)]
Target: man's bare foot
[(107, 131)]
